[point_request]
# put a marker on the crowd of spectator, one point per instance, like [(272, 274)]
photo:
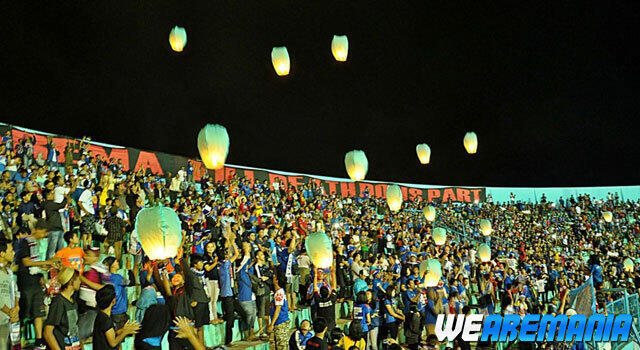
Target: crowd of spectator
[(82, 277)]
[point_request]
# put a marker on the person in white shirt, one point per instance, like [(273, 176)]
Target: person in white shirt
[(87, 213), (9, 315)]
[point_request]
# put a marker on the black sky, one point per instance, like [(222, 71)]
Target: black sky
[(551, 89)]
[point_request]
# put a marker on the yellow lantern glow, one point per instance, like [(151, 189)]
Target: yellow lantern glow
[(608, 216), (431, 279), (471, 142), (280, 60), (394, 197), (484, 252), (628, 265), (318, 247), (429, 213), (159, 232), (485, 227), (213, 144), (424, 153), (177, 38), (340, 47), (357, 165), (439, 235)]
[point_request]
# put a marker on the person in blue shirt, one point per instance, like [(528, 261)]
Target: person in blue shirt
[(391, 315), (362, 311), (246, 297), (299, 338), (226, 274), (120, 284), (279, 324)]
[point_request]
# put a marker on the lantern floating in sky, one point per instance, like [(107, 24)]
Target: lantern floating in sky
[(159, 232), (178, 38), (578, 210), (485, 227), (471, 142), (319, 249), (429, 213), (357, 165), (424, 153), (213, 144), (484, 252), (608, 216), (280, 60), (340, 47), (628, 265), (439, 235), (394, 197)]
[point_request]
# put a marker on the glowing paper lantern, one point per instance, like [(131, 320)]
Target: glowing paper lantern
[(484, 252), (608, 216), (435, 266), (394, 197), (340, 47), (159, 232), (319, 249), (578, 210), (429, 213), (628, 265), (431, 279), (213, 144), (471, 142), (280, 60), (485, 227), (439, 235), (571, 312), (424, 153), (178, 38), (357, 165)]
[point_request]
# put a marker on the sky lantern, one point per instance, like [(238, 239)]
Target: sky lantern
[(280, 60), (429, 213), (485, 227), (357, 165), (608, 216), (213, 144), (439, 235), (431, 279), (424, 153), (628, 265), (471, 142), (178, 38), (319, 249), (394, 197), (159, 232), (340, 47), (484, 252)]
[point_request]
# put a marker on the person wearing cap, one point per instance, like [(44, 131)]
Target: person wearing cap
[(61, 326)]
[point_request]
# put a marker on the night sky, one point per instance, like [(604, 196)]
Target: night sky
[(551, 89)]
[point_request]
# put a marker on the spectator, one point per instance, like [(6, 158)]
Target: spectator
[(61, 327), (105, 336), (299, 338)]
